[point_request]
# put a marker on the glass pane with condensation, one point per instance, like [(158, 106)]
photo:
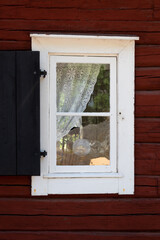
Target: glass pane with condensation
[(87, 143), (83, 87)]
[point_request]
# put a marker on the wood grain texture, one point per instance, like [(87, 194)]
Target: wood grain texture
[(147, 130), (15, 191), (148, 151), (147, 111), (79, 207), (148, 38), (148, 167), (124, 4), (148, 56), (78, 235), (15, 45), (15, 3), (83, 223), (148, 79), (7, 35), (147, 98), (15, 180), (147, 158), (74, 14), (147, 104), (80, 26), (107, 217), (156, 4)]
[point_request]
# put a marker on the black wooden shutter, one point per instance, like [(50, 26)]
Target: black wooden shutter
[(19, 113)]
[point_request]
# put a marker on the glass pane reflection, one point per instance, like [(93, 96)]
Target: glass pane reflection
[(83, 87), (87, 143)]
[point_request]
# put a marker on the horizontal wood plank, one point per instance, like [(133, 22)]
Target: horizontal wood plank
[(147, 130), (146, 191), (147, 111), (80, 207), (156, 4), (147, 151), (7, 35), (156, 15), (15, 3), (15, 45), (148, 79), (15, 191), (141, 190), (92, 223), (78, 235), (15, 180), (147, 103), (148, 56), (74, 14), (94, 4), (147, 159), (80, 26), (148, 167), (146, 181), (148, 38)]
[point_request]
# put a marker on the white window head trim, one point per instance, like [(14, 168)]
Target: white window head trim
[(120, 178)]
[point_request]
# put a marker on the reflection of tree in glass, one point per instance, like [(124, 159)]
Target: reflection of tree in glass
[(97, 126), (99, 101), (100, 98)]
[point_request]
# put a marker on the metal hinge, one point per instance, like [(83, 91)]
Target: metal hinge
[(43, 154), (41, 73)]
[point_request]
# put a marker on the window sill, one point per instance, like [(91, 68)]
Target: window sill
[(83, 175)]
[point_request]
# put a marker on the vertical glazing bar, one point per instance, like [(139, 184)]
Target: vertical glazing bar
[(52, 114), (113, 118)]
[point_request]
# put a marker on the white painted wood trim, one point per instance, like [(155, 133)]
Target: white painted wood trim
[(83, 175), (82, 185), (84, 36), (126, 118), (113, 141), (98, 114), (123, 48)]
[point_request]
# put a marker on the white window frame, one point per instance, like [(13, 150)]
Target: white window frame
[(119, 179), (112, 114)]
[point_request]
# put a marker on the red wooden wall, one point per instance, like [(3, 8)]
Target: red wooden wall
[(92, 217)]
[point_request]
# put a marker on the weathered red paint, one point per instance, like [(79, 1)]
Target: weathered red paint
[(91, 217)]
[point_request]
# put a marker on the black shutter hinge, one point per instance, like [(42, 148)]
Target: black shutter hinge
[(43, 154), (41, 73)]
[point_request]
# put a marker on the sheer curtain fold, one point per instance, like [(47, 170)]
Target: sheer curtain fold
[(75, 84)]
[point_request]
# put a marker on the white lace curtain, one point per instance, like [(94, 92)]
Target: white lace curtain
[(75, 84)]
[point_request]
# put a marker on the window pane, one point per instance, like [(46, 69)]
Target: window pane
[(100, 98), (87, 143), (83, 87)]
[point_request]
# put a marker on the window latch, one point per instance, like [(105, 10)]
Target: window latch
[(43, 154)]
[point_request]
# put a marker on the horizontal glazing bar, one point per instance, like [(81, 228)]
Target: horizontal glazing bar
[(99, 114)]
